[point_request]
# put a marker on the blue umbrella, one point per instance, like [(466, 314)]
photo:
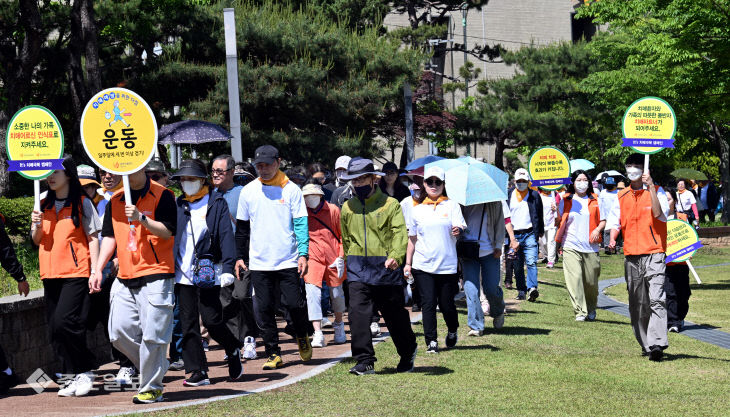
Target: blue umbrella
[(470, 182), (192, 132), (417, 163), (584, 164)]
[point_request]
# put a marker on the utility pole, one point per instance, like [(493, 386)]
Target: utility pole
[(408, 102), (234, 101), (464, 10), (451, 55)]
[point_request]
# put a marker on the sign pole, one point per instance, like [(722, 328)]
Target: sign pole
[(646, 163), (37, 195), (692, 269)]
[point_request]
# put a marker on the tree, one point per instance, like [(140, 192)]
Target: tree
[(673, 49)]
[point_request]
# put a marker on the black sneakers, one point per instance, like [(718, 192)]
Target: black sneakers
[(363, 369), (407, 363), (235, 368), (197, 379), (532, 294), (451, 339), (655, 353)]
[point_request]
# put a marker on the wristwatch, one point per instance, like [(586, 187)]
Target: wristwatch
[(143, 218)]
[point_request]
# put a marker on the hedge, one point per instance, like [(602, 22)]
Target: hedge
[(17, 213)]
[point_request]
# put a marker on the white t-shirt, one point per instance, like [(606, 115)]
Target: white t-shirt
[(435, 250), (548, 215), (519, 212), (613, 217), (473, 215), (606, 200), (185, 255), (685, 201), (578, 225), (406, 205), (271, 211)]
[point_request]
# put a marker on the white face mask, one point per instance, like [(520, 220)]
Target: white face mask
[(581, 186), (633, 173), (311, 201), (190, 187), (522, 186)]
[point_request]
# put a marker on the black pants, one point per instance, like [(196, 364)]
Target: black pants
[(509, 268), (437, 289), (67, 310), (416, 294), (389, 300), (707, 214), (268, 287), (3, 360), (205, 303), (676, 286), (238, 310)]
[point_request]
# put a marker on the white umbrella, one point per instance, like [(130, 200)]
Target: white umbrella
[(610, 173)]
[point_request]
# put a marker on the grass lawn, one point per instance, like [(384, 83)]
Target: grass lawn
[(708, 303), (542, 363)]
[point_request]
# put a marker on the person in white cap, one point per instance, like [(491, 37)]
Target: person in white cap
[(343, 191), (435, 224), (326, 263), (528, 224)]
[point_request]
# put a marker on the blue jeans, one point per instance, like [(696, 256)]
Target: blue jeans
[(489, 266), (526, 254)]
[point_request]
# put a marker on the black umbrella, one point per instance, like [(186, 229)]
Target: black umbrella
[(192, 132)]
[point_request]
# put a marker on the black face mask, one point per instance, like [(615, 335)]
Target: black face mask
[(610, 187), (364, 191)]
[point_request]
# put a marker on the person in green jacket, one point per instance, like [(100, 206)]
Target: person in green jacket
[(375, 239)]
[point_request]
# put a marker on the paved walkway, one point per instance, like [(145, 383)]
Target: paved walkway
[(693, 330)]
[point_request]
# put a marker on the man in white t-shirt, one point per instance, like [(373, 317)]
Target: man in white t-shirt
[(272, 232)]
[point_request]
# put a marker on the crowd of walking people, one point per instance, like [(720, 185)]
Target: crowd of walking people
[(245, 242)]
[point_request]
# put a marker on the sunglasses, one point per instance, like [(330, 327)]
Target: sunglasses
[(156, 177), (434, 182)]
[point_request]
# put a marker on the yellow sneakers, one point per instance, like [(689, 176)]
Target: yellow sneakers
[(305, 348), (148, 397), (273, 362)]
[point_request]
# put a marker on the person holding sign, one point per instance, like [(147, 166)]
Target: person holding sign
[(580, 233), (676, 285), (641, 215), (140, 322), (65, 230)]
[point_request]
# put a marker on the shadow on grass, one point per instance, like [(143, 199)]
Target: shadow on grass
[(668, 357), (699, 326), (475, 347), (721, 285), (425, 370), (611, 322), (521, 331)]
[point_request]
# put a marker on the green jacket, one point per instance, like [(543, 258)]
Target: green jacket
[(371, 234)]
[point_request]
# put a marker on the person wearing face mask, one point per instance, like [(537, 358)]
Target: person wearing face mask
[(580, 233), (641, 215), (343, 192), (272, 233), (407, 204), (528, 226), (204, 231), (318, 172), (435, 224), (391, 184), (66, 233), (326, 263), (606, 199), (686, 203), (374, 239)]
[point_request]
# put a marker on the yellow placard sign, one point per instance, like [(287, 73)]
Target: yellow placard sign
[(682, 241), (549, 168), (649, 125), (119, 131), (34, 142)]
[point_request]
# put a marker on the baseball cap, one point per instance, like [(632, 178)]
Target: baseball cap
[(437, 172), (312, 189), (87, 175), (266, 154), (521, 174), (342, 162)]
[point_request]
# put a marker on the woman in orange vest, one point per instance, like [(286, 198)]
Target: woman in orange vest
[(580, 233), (65, 231)]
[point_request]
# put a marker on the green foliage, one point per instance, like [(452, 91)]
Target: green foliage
[(17, 213), (28, 257)]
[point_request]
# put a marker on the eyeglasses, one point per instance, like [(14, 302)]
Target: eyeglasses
[(218, 172), (434, 182)]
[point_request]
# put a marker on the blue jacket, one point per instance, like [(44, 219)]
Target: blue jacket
[(534, 202), (218, 241)]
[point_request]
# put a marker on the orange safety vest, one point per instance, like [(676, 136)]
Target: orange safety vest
[(154, 255), (643, 233), (593, 210), (64, 248)]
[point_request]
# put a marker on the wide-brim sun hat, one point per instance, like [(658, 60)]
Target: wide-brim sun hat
[(360, 166), (312, 189), (191, 168)]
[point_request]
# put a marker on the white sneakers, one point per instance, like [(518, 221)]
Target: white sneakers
[(249, 348), (475, 333), (81, 385), (124, 376), (375, 329), (326, 322), (498, 322), (318, 340), (340, 336), (485, 307)]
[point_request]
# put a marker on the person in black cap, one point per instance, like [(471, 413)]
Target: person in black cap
[(272, 241), (374, 239), (391, 184)]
